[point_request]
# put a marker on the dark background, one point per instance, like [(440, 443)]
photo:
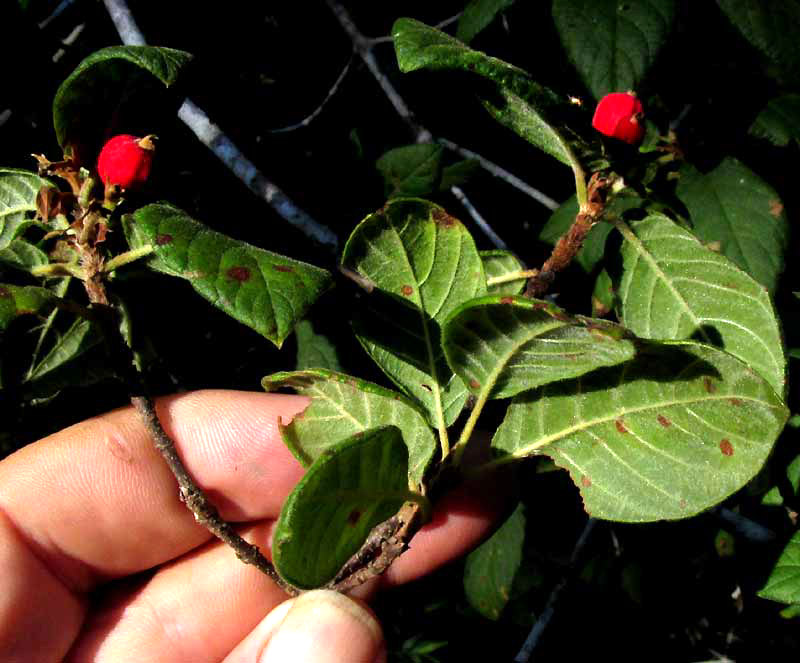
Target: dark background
[(661, 592)]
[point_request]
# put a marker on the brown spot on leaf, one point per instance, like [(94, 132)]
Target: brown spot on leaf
[(163, 239), (442, 218), (282, 268), (407, 290), (474, 383), (666, 423), (352, 519), (708, 385), (506, 300), (240, 274), (586, 481), (620, 426), (726, 447), (4, 292), (426, 387), (683, 504), (735, 401), (775, 207)]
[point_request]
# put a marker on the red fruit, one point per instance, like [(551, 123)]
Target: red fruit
[(619, 115), (125, 160)]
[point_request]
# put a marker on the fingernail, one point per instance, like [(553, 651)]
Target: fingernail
[(323, 626)]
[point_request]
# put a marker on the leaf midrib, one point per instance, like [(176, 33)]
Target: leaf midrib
[(588, 424)]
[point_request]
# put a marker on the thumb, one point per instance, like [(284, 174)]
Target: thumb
[(320, 626)]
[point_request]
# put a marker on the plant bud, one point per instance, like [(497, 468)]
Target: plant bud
[(125, 160), (619, 115)]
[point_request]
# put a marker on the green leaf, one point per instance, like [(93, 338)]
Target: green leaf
[(733, 206), (18, 190), (356, 485), (490, 569), (267, 292), (665, 436), (22, 255), (87, 100), (772, 27), (612, 43), (518, 102), (502, 345), (674, 288), (779, 122), (412, 170), (314, 350), (604, 296), (594, 245), (23, 300), (68, 363), (477, 15), (502, 269), (423, 264), (784, 582), (342, 406), (458, 173), (773, 497)]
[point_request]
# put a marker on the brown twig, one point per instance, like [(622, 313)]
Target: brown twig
[(571, 242), (385, 543), (196, 501)]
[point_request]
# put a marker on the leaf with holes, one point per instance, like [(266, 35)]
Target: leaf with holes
[(422, 264), (502, 345), (502, 269), (265, 291), (23, 300), (734, 207), (779, 122), (665, 436), (612, 43), (784, 582), (673, 287), (490, 569), (477, 15), (104, 83), (411, 170), (772, 27), (314, 350), (18, 190), (518, 101), (342, 406), (357, 484)]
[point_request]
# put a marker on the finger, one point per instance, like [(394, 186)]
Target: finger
[(96, 500), (168, 617), (194, 609), (318, 627)]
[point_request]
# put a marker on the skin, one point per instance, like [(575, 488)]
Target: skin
[(101, 561)]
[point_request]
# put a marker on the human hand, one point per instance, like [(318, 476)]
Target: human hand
[(101, 561)]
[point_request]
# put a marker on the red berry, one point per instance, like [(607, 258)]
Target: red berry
[(619, 115), (125, 160)]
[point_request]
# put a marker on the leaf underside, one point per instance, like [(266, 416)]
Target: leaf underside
[(267, 292), (674, 288), (23, 300), (18, 190), (356, 485), (664, 436), (503, 345), (499, 265), (342, 406)]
